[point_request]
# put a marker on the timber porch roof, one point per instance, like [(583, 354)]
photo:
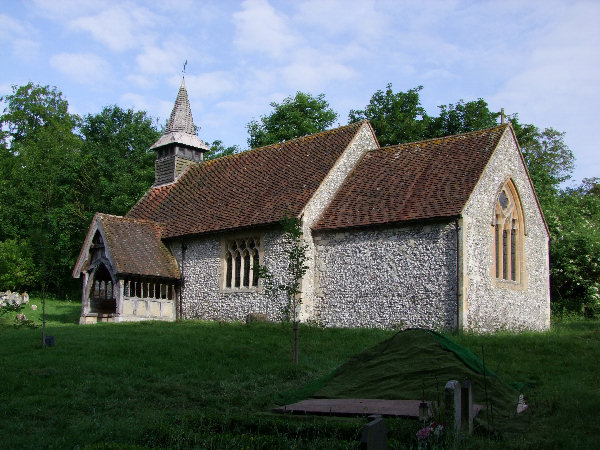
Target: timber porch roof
[(133, 246)]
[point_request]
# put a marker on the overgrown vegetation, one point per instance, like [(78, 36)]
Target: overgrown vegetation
[(211, 385)]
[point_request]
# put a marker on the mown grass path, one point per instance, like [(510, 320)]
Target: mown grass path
[(210, 385)]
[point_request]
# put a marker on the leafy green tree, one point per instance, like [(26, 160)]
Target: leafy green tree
[(395, 117), (118, 165), (218, 150), (296, 116), (574, 221), (549, 159), (41, 162), (462, 117), (17, 269), (572, 214)]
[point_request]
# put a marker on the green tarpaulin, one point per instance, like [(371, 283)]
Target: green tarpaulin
[(413, 364)]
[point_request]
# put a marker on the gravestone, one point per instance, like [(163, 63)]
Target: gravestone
[(452, 396), (15, 298), (466, 401), (374, 434), (256, 317)]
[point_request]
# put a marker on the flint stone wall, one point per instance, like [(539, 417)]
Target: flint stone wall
[(363, 141), (395, 277), (491, 304), (202, 295)]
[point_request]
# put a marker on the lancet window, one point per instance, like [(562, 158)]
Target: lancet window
[(241, 255), (508, 234)]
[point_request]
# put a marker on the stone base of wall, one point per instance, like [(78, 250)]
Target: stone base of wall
[(135, 310), (92, 318)]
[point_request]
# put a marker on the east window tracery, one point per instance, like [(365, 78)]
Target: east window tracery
[(508, 234)]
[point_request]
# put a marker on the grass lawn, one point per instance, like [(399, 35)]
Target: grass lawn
[(210, 385)]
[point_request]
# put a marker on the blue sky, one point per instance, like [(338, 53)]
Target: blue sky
[(540, 59)]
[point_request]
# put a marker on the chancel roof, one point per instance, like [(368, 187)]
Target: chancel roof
[(415, 181), (253, 188)]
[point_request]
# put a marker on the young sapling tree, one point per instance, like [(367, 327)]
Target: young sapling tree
[(295, 249)]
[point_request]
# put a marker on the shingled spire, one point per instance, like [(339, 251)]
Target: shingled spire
[(181, 116), (179, 147)]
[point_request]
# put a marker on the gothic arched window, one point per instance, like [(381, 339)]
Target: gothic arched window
[(508, 234), (241, 255)]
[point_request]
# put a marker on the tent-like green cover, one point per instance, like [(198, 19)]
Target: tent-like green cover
[(415, 364)]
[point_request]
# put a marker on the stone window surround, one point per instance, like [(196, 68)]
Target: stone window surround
[(224, 243), (518, 220)]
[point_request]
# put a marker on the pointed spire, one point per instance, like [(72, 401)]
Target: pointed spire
[(180, 128), (181, 116)]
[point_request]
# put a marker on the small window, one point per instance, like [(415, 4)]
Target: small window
[(241, 255), (508, 234)]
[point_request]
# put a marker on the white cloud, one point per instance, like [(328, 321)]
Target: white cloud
[(141, 81), (209, 84), (67, 9), (240, 107), (155, 108), (119, 28), (160, 60), (314, 74), (85, 68), (167, 58), (259, 80), (561, 68), (10, 27), (556, 83), (136, 101), (18, 36), (360, 20), (259, 28), (5, 88)]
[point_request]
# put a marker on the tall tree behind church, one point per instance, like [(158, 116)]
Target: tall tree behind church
[(41, 209), (295, 116), (396, 117), (56, 171), (119, 167)]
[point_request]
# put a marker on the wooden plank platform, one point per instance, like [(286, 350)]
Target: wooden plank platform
[(354, 407), (358, 407)]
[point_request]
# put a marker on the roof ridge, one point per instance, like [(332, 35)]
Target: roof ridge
[(450, 136), (132, 219), (278, 144), (313, 135)]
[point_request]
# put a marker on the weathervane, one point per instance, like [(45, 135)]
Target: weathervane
[(184, 64)]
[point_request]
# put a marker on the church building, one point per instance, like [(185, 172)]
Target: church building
[(442, 233)]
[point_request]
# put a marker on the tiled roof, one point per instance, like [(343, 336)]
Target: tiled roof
[(256, 187), (136, 247), (415, 181)]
